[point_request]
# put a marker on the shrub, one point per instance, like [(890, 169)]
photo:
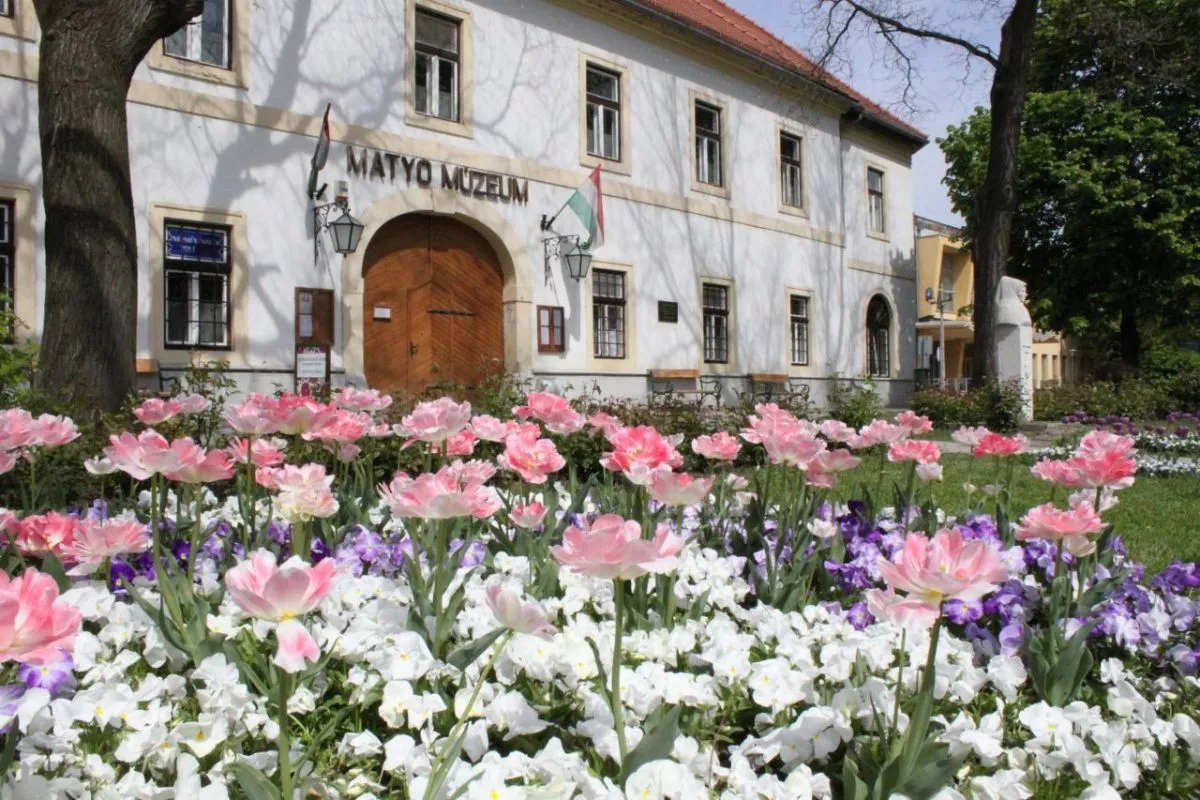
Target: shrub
[(854, 403), (1136, 399), (1176, 373), (996, 405)]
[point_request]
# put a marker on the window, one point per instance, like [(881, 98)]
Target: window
[(716, 323), (196, 286), (799, 329), (551, 329), (6, 8), (876, 218), (603, 113), (205, 39), (946, 283), (879, 338), (668, 311), (314, 316), (708, 144), (791, 171), (608, 313), (437, 59), (8, 260)]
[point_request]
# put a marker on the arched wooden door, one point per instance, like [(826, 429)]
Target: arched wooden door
[(433, 306)]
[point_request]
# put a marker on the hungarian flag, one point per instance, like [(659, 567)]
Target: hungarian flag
[(588, 205), (321, 154)]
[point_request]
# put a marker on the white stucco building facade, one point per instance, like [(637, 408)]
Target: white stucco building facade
[(770, 204)]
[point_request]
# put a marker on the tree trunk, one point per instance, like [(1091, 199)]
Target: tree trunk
[(1131, 338), (89, 51), (997, 201)]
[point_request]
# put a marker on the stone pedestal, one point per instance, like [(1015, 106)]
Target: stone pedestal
[(1014, 340)]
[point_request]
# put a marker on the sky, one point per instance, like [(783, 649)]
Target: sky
[(949, 86)]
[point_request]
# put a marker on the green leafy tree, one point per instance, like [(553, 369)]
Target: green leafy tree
[(1107, 229)]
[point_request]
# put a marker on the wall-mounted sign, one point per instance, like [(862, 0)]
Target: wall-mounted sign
[(668, 311), (196, 244), (382, 312), (312, 368), (392, 167)]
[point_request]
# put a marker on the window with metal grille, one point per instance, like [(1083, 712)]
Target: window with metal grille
[(791, 171), (8, 260), (436, 64), (799, 329), (876, 216), (608, 313), (879, 338), (196, 286), (206, 38), (708, 144), (551, 329), (603, 113), (716, 323)]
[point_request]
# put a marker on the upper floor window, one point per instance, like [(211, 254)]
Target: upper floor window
[(6, 8), (8, 278), (603, 113), (205, 39), (879, 338), (791, 171), (799, 329), (876, 217), (608, 313), (196, 285), (437, 65), (715, 300), (708, 144)]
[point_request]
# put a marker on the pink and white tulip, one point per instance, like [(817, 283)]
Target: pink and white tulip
[(921, 451), (1072, 527), (450, 492), (532, 458), (96, 541), (528, 516), (516, 614), (551, 410), (612, 548), (35, 626), (720, 446), (434, 421), (679, 488)]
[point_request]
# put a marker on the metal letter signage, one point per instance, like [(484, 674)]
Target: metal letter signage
[(478, 183)]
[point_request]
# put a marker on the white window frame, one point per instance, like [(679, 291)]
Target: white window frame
[(415, 117), (436, 58), (695, 97), (872, 230), (6, 9), (791, 171), (194, 31), (709, 144), (600, 108)]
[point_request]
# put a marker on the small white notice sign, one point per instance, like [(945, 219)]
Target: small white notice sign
[(310, 364), (383, 312)]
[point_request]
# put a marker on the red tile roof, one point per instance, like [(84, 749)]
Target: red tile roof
[(714, 18)]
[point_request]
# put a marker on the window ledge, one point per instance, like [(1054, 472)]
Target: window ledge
[(622, 167), (881, 237), (710, 189), (793, 211), (461, 128), (161, 62)]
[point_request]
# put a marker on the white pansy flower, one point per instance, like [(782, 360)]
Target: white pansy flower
[(204, 735)]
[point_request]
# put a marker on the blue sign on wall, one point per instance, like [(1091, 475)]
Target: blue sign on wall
[(196, 244)]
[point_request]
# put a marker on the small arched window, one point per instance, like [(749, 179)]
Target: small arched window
[(879, 338)]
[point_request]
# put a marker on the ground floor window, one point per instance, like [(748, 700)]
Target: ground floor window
[(551, 329), (799, 329), (608, 313), (8, 269), (716, 323), (879, 338), (196, 286)]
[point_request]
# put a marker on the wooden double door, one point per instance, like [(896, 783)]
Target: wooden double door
[(433, 305)]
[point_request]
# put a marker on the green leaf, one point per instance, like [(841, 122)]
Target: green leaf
[(655, 745), (604, 692), (254, 783), (853, 787), (54, 568), (464, 656)]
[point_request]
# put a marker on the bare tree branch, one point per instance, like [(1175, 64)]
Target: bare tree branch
[(892, 24)]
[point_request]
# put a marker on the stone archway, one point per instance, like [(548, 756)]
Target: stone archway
[(512, 254)]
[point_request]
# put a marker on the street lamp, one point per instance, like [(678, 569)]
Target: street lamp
[(346, 231), (577, 260)]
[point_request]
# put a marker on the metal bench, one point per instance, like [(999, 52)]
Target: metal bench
[(767, 387), (664, 383)]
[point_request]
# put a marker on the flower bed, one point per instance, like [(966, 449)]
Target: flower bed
[(494, 627)]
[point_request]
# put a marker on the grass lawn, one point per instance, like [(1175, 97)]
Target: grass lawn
[(1158, 518)]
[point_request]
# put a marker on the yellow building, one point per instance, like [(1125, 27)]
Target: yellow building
[(946, 273)]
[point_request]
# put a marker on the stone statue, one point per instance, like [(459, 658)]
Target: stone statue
[(1014, 339)]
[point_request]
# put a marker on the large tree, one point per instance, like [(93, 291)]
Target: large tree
[(898, 23), (89, 51), (1108, 228)]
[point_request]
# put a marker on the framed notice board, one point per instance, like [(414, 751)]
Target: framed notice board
[(314, 338)]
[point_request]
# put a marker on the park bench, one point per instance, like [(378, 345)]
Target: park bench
[(768, 387), (667, 383)]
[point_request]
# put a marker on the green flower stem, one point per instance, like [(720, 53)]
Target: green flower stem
[(899, 680), (285, 744), (165, 590), (615, 692)]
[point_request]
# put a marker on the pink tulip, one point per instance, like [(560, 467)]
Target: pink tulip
[(1071, 526), (929, 472), (771, 421), (296, 414), (835, 461), (1060, 473), (305, 504), (878, 432), (260, 452), (290, 478), (17, 429), (921, 451), (99, 466), (718, 447), (345, 453), (338, 426), (193, 404), (914, 422), (528, 516), (551, 410), (213, 466), (446, 494), (96, 541), (8, 522), (944, 568), (149, 453), (250, 417), (369, 400), (639, 452), (1100, 443), (434, 421), (282, 594), (155, 411), (46, 534), (52, 431), (837, 431), (460, 444), (679, 488), (605, 423), (793, 446), (530, 457), (613, 548), (818, 478), (7, 461), (465, 472), (490, 429), (35, 628), (969, 436), (516, 615), (993, 444)]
